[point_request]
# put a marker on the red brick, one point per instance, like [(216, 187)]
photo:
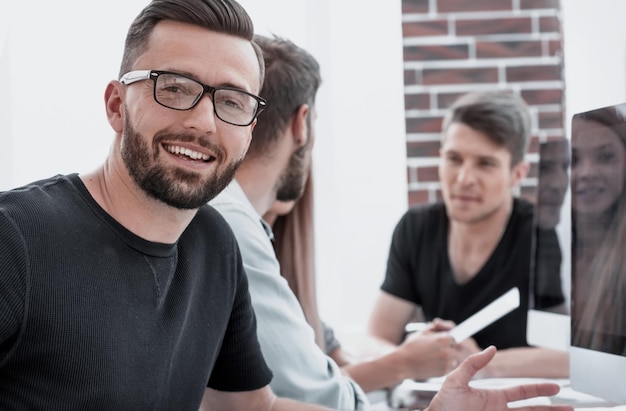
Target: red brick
[(441, 52), (539, 4), (508, 49), (423, 125), (550, 119), (449, 6), (533, 73), (421, 149), (555, 47), (533, 171), (425, 28), (410, 77), (414, 6), (556, 136), (533, 147), (549, 24), (428, 174), (418, 197), (477, 27), (445, 100), (460, 76), (420, 101), (543, 96)]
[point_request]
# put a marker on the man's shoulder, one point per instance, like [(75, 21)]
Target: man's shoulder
[(523, 208), (40, 198), (422, 219), (426, 211)]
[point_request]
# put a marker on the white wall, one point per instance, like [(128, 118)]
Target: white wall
[(595, 53), (60, 58), (58, 65)]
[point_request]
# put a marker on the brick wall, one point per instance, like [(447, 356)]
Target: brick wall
[(455, 46)]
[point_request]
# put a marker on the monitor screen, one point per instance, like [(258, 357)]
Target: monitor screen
[(548, 322), (598, 248)]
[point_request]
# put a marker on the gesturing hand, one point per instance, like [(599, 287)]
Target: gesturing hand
[(456, 394)]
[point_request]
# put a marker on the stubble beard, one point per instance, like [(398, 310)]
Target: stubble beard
[(175, 187), (291, 184), (461, 216)]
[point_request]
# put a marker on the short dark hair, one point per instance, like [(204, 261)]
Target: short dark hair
[(292, 78), (221, 16), (503, 117)]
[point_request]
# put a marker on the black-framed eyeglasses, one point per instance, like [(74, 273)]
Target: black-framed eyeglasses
[(179, 92)]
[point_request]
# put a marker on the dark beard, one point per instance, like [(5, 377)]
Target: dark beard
[(174, 187), (291, 184)]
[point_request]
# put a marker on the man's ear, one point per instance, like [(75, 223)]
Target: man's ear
[(114, 107), (519, 173), (300, 125)]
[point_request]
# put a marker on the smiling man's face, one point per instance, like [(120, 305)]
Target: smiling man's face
[(185, 158)]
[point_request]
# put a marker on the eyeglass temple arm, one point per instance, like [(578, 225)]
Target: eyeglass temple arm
[(133, 76)]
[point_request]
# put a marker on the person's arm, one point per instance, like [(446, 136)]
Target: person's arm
[(262, 399), (389, 318), (456, 394), (422, 355), (301, 370), (530, 362)]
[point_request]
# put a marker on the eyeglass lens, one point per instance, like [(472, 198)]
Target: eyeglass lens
[(182, 93)]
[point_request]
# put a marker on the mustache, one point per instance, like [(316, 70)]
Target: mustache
[(189, 138)]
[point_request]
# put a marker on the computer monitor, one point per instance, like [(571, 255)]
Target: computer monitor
[(548, 323), (598, 311)]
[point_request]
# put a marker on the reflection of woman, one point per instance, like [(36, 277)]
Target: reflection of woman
[(292, 224), (598, 205)]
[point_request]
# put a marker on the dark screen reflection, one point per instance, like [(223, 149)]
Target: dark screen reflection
[(553, 183)]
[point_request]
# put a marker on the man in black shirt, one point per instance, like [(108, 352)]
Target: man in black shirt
[(120, 289), (450, 259)]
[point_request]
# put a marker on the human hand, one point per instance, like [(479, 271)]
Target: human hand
[(438, 324), (428, 354), (456, 394)]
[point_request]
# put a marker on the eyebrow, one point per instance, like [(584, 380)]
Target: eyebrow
[(480, 157), (194, 77)]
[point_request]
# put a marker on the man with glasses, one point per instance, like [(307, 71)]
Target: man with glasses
[(119, 288)]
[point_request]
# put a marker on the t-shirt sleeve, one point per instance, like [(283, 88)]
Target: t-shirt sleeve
[(240, 365), (12, 283), (400, 276)]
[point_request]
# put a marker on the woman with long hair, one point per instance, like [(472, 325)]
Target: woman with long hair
[(599, 229)]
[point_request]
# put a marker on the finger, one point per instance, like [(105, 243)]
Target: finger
[(441, 325), (472, 364), (526, 391)]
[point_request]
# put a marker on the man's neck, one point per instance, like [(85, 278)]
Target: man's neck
[(471, 244), (258, 184), (144, 216)]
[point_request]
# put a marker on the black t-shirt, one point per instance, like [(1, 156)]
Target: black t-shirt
[(419, 271), (93, 317)]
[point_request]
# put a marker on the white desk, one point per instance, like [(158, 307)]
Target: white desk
[(403, 396)]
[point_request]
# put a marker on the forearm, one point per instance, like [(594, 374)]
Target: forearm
[(378, 373), (528, 362)]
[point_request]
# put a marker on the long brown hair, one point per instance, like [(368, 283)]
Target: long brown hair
[(597, 318), (295, 249)]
